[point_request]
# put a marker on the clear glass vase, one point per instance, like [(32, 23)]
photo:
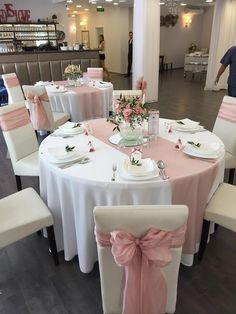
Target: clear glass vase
[(132, 133)]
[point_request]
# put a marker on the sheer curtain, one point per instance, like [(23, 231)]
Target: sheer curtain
[(223, 36), (146, 29)]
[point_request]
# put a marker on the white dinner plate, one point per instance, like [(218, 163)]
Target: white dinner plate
[(208, 150), (70, 128), (60, 153), (147, 168), (56, 89), (126, 176), (74, 157)]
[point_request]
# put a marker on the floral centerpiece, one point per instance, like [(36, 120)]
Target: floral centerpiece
[(129, 116), (73, 72)]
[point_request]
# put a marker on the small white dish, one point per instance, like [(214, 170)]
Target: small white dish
[(70, 158), (71, 128), (206, 150), (60, 153), (126, 176)]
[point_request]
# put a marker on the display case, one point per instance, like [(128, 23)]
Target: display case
[(22, 35)]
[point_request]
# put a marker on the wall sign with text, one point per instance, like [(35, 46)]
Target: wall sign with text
[(9, 14)]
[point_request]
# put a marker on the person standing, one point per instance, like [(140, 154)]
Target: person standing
[(229, 59), (130, 54), (102, 56)]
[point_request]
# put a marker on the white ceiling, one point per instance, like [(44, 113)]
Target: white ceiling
[(87, 4)]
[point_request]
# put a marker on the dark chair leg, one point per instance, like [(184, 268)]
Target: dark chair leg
[(39, 232), (204, 237), (18, 183), (231, 176), (52, 244)]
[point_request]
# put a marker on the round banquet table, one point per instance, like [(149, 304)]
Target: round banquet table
[(82, 102), (72, 193)]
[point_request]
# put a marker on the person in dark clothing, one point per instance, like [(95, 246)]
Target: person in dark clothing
[(130, 54), (229, 59)]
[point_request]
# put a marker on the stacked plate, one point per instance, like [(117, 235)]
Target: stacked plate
[(146, 171), (43, 83), (204, 150), (71, 128), (187, 125), (59, 155)]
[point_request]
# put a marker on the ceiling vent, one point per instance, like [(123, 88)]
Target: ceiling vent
[(193, 10)]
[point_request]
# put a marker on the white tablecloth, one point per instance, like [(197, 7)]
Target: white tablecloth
[(84, 102), (72, 193)]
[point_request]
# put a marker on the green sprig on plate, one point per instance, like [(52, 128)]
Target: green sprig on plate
[(69, 148), (196, 145), (135, 162)]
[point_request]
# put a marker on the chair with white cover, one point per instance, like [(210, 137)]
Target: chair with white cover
[(41, 114), (95, 73), (22, 214), (143, 241), (221, 210), (21, 140), (13, 87), (225, 129)]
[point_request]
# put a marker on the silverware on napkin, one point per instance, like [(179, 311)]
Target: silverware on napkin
[(82, 161)]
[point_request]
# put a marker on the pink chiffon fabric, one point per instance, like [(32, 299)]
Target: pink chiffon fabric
[(11, 82), (190, 187), (227, 112), (14, 119), (145, 289), (38, 115)]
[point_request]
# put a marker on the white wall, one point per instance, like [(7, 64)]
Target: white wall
[(42, 9), (115, 21), (175, 41)]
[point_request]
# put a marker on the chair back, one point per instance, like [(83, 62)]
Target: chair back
[(136, 220), (13, 87), (95, 73), (225, 124), (18, 132), (42, 118)]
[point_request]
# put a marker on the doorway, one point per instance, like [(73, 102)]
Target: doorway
[(99, 31)]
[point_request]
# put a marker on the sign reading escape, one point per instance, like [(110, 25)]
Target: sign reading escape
[(9, 14)]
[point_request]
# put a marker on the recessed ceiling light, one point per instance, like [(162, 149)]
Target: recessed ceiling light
[(93, 2), (69, 1), (72, 15), (74, 11), (116, 3), (109, 0), (162, 3), (78, 6), (86, 9), (183, 4), (99, 6), (209, 0)]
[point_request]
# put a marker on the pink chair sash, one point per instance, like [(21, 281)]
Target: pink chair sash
[(14, 119), (11, 82), (227, 112), (141, 84), (38, 115), (95, 74), (145, 289)]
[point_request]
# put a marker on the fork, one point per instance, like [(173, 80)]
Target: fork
[(114, 168)]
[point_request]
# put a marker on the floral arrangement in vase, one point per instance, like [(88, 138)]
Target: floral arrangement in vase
[(73, 72), (130, 110)]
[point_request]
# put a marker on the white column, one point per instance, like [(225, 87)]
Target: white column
[(146, 31), (223, 36)]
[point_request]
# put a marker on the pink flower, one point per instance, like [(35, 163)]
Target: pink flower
[(127, 113)]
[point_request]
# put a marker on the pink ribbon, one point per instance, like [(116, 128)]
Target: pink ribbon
[(11, 82), (145, 289), (135, 149), (141, 84), (39, 117), (227, 112), (14, 119)]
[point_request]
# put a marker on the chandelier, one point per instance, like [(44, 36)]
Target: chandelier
[(172, 6)]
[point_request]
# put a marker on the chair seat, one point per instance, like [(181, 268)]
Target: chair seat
[(222, 207), (60, 118), (22, 214), (27, 166), (230, 161)]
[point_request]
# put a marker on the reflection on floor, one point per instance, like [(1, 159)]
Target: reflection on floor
[(29, 281)]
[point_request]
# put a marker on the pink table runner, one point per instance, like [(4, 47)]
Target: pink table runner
[(191, 179)]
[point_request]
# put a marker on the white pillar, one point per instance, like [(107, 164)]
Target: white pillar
[(146, 29)]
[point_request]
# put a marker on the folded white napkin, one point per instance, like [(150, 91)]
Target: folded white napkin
[(147, 167), (56, 89), (205, 149), (60, 153)]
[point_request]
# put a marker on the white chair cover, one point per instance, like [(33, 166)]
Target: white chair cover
[(13, 87)]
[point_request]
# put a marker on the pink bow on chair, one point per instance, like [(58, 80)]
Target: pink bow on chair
[(38, 117), (145, 288), (12, 82), (141, 84)]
